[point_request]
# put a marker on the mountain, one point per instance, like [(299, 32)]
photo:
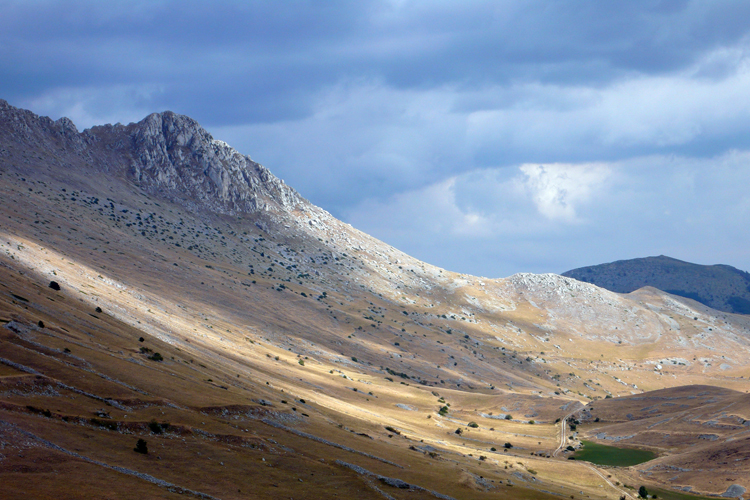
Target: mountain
[(157, 285), (720, 287)]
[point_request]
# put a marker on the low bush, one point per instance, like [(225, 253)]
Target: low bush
[(141, 447)]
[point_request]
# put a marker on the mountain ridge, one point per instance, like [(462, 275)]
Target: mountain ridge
[(289, 341), (719, 286), (167, 154)]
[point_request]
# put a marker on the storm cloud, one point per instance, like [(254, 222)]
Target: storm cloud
[(484, 137)]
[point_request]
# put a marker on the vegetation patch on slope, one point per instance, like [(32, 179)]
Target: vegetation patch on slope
[(601, 454)]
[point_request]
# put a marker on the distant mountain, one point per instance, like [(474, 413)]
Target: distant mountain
[(719, 286)]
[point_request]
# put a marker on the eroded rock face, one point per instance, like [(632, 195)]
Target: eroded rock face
[(166, 154), (173, 156), (22, 127)]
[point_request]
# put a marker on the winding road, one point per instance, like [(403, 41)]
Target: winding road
[(593, 469)]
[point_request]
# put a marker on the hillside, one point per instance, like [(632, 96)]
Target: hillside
[(297, 356), (720, 287)]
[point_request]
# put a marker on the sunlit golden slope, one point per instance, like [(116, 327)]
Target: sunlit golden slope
[(298, 356)]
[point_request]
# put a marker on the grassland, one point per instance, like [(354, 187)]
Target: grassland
[(675, 495), (601, 454)]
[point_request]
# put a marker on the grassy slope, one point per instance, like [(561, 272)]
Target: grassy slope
[(220, 335)]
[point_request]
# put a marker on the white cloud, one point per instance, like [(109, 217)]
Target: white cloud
[(557, 188), (366, 139), (641, 111), (555, 217)]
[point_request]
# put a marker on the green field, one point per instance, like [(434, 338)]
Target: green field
[(676, 495), (609, 455)]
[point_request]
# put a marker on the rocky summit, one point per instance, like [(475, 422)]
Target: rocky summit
[(175, 321)]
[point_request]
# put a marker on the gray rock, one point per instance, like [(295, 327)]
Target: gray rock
[(734, 491)]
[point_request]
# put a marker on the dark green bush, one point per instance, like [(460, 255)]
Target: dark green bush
[(141, 447)]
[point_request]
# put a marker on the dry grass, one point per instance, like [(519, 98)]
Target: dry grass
[(220, 336)]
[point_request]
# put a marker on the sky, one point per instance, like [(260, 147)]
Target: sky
[(485, 137)]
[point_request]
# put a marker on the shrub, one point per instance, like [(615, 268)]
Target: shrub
[(141, 447), (98, 309), (54, 285), (643, 492), (443, 411), (155, 427), (508, 446), (508, 417), (40, 324), (112, 426), (156, 357), (459, 431), (473, 425), (301, 362)]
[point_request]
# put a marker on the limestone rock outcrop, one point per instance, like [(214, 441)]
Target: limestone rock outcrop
[(167, 154)]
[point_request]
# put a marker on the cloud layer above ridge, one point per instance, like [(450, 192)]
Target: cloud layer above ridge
[(484, 137)]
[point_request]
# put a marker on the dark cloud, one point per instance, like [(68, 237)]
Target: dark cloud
[(369, 105), (265, 61)]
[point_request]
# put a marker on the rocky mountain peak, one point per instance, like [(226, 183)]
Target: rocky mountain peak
[(166, 154), (173, 156)]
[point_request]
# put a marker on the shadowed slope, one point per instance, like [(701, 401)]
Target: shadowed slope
[(288, 336), (721, 287)]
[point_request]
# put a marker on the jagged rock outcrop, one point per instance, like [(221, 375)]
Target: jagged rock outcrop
[(20, 126), (166, 154), (173, 155)]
